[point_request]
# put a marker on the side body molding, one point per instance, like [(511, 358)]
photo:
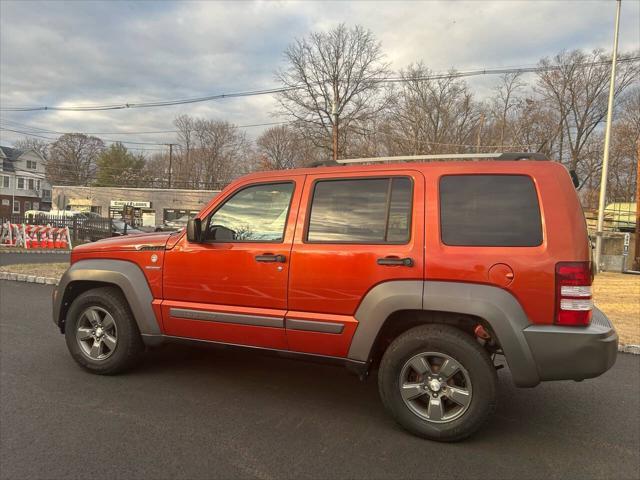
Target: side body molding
[(125, 275), (495, 305)]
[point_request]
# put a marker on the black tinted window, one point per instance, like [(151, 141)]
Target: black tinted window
[(489, 210), (254, 214), (374, 210)]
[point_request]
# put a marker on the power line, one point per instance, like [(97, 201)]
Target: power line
[(271, 91), (265, 124), (52, 139)]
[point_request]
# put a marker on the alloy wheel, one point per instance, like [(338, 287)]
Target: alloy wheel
[(96, 333), (435, 387)]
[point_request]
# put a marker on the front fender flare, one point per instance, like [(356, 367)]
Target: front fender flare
[(126, 275)]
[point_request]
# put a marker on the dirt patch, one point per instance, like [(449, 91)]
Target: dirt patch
[(618, 295), (51, 270)]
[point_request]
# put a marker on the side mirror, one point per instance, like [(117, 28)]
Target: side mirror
[(194, 230)]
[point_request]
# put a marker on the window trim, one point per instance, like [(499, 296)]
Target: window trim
[(538, 202), (307, 223), (6, 178), (207, 219), (24, 183), (13, 207)]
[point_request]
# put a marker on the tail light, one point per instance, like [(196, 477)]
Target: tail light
[(573, 293)]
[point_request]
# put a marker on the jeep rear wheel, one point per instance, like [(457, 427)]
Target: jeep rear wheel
[(101, 333), (438, 382)]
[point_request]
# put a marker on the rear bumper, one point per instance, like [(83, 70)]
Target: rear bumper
[(573, 353)]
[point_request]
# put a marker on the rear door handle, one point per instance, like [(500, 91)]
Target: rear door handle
[(391, 261), (271, 258)]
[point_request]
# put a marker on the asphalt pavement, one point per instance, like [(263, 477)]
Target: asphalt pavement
[(14, 258), (189, 412)]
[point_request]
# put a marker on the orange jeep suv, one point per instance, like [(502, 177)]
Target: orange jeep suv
[(424, 272)]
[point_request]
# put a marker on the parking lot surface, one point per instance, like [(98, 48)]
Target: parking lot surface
[(14, 258), (194, 413)]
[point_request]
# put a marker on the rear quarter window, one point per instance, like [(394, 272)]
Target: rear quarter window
[(489, 210)]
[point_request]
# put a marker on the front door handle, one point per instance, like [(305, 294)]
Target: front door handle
[(271, 258), (391, 261)]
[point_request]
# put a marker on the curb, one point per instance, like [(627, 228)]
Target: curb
[(20, 277), (632, 349), (34, 252)]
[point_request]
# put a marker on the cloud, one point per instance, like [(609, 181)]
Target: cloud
[(103, 52)]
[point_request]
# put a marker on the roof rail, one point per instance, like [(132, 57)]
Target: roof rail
[(449, 156)]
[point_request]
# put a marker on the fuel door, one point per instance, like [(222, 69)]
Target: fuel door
[(501, 274)]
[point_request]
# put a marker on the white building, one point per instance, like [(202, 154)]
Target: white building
[(22, 182)]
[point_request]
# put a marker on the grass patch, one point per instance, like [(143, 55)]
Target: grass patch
[(51, 270), (618, 295)]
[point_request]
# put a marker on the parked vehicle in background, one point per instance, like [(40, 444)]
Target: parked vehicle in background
[(423, 271), (173, 225), (120, 227)]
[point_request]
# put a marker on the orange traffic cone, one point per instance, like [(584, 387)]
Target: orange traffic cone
[(63, 239), (34, 239)]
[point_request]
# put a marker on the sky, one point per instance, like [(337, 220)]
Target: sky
[(83, 53)]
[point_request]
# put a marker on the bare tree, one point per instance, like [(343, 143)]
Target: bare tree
[(576, 85), (183, 167), (505, 101), (210, 153), (156, 170), (332, 83), (624, 149), (72, 159), (278, 148), (32, 143), (431, 115)]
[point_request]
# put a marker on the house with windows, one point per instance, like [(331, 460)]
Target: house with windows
[(22, 182)]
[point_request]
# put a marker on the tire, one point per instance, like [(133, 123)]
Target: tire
[(443, 412), (120, 342)]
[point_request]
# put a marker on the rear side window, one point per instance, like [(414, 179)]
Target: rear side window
[(371, 210), (489, 210)]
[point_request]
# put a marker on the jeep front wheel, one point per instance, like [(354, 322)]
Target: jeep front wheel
[(438, 382), (101, 333)]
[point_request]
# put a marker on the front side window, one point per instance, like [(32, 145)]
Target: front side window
[(5, 182), (21, 183), (16, 206), (32, 184), (489, 210), (370, 210), (254, 214)]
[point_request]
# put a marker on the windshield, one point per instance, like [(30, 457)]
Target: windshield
[(119, 224)]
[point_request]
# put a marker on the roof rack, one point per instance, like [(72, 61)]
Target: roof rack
[(455, 156)]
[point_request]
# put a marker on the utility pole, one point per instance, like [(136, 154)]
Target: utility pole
[(637, 249), (607, 141), (171, 145), (334, 113)]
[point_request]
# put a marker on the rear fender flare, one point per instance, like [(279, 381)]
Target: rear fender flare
[(495, 305)]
